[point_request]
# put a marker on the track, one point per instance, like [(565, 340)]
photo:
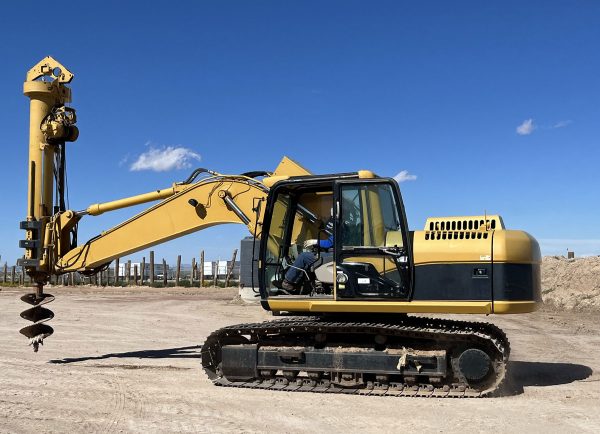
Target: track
[(420, 335)]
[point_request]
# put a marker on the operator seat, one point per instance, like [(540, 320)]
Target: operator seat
[(325, 271)]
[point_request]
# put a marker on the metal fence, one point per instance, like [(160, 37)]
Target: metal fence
[(124, 272)]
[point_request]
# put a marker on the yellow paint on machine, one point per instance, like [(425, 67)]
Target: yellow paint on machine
[(517, 247), (505, 307), (509, 246), (428, 248), (433, 306), (282, 304)]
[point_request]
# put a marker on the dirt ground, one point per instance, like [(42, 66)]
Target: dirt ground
[(128, 361), (572, 284)]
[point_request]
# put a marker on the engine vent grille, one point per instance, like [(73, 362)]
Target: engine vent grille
[(462, 228), (456, 235)]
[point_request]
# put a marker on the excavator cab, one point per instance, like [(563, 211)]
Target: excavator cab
[(370, 257)]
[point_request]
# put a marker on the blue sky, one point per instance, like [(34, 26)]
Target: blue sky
[(492, 106)]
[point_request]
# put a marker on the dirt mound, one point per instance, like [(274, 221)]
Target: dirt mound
[(572, 284)]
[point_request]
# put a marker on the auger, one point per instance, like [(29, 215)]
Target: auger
[(51, 125), (38, 331)]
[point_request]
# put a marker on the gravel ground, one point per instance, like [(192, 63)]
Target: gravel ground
[(128, 361)]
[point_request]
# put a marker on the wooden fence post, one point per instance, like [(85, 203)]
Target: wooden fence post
[(128, 272), (193, 272), (178, 270), (143, 270), (201, 268), (215, 273), (164, 273), (135, 274), (116, 283), (230, 268), (151, 267), (13, 270), (5, 272)]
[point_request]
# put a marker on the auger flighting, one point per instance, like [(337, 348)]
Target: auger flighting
[(38, 331)]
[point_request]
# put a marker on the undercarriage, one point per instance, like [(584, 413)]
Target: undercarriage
[(410, 356)]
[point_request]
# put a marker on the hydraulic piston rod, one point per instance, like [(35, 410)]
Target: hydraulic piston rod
[(99, 208)]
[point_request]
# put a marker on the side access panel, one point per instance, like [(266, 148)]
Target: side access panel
[(453, 265)]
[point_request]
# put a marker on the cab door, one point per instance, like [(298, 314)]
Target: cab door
[(372, 250)]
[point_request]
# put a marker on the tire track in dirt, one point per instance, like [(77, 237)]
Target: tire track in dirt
[(117, 407), (127, 404)]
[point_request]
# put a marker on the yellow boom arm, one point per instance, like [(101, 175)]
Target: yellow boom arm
[(185, 208), (213, 201)]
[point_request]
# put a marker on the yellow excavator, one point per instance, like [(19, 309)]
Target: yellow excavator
[(348, 326)]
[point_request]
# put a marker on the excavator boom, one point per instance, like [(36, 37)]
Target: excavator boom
[(212, 201)]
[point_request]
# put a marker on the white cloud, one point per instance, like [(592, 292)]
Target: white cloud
[(526, 127), (404, 176), (164, 159), (562, 124)]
